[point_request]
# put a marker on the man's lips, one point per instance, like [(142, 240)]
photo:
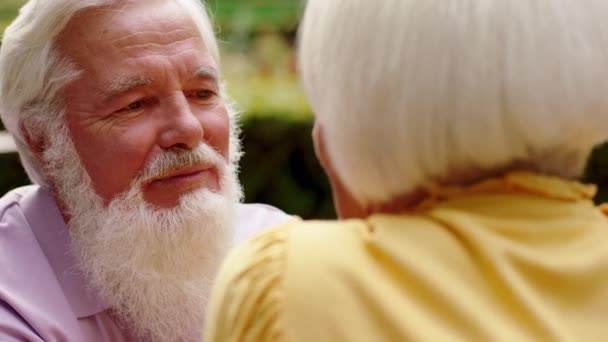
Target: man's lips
[(188, 177), (184, 172)]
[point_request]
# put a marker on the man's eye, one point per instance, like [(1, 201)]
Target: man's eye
[(135, 106), (203, 94)]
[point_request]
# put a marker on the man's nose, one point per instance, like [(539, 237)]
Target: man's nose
[(182, 128)]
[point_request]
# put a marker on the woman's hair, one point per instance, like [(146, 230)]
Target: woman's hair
[(413, 92), (33, 71)]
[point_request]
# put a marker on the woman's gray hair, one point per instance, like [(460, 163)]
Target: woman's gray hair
[(33, 71), (415, 92)]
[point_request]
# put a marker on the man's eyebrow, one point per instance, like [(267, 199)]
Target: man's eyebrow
[(123, 85), (207, 73)]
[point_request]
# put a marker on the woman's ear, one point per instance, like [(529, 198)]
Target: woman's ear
[(36, 144), (320, 149), (345, 204)]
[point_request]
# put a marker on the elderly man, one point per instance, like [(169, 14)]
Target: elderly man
[(118, 112)]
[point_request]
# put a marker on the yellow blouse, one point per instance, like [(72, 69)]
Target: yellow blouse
[(519, 258)]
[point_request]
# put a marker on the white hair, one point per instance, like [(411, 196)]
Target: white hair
[(414, 92), (33, 71)]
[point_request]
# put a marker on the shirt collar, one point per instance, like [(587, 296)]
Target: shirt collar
[(47, 224), (517, 182)]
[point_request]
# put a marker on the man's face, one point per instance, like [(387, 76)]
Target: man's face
[(148, 85)]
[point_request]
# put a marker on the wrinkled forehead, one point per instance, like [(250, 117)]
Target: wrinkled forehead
[(128, 26)]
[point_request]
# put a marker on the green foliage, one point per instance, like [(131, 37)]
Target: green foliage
[(245, 15), (12, 174), (280, 168), (8, 11)]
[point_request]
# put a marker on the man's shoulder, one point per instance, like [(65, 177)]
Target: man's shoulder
[(17, 239), (254, 218), (32, 302)]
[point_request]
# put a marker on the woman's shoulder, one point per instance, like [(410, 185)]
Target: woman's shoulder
[(299, 244)]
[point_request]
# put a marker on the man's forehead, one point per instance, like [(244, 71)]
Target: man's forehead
[(130, 24), (122, 48), (203, 72)]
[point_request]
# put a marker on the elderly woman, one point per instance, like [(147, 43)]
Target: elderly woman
[(451, 132)]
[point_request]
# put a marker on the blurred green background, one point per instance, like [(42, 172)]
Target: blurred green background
[(257, 39), (279, 168)]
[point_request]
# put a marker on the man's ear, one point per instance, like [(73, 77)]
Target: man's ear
[(36, 144)]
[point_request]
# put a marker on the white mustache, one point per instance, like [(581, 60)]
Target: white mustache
[(181, 158)]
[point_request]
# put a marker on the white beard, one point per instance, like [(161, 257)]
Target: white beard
[(154, 267)]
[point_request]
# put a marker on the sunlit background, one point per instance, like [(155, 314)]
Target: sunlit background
[(257, 39)]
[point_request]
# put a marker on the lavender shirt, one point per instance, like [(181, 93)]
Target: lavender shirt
[(42, 298)]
